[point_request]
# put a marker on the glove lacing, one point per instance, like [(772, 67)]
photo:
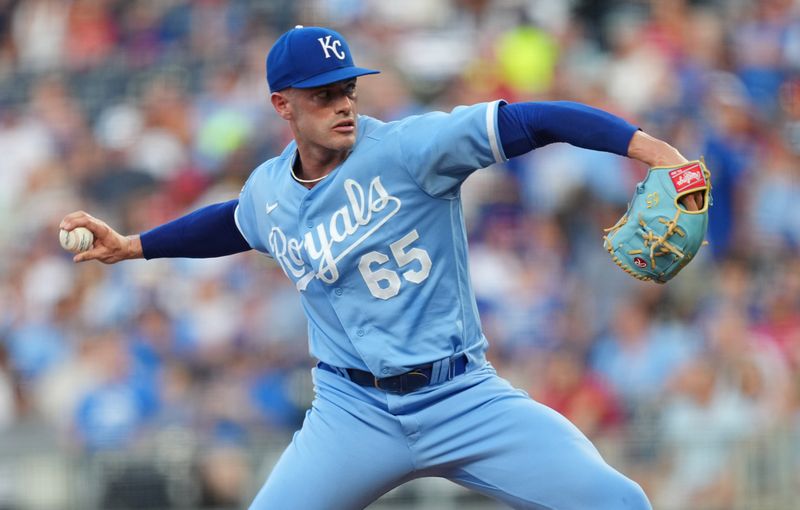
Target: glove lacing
[(654, 241)]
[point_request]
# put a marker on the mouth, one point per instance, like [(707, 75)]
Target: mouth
[(345, 126)]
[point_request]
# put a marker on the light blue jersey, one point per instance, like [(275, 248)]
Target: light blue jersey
[(378, 249)]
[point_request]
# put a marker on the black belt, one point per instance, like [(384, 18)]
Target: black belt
[(414, 379)]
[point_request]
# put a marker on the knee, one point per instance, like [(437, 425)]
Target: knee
[(612, 492), (629, 496)]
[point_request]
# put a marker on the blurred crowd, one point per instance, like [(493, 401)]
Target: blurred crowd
[(138, 112)]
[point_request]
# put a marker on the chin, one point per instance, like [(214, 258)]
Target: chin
[(344, 143)]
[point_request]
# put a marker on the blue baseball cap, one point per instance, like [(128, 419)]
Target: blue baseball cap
[(307, 57)]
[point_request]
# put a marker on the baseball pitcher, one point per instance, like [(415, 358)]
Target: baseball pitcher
[(365, 219)]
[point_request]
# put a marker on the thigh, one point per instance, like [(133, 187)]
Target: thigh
[(348, 453), (514, 449)]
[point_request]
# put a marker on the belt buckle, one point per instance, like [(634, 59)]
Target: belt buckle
[(392, 384), (414, 380), (403, 383)]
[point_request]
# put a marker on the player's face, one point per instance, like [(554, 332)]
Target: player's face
[(324, 116)]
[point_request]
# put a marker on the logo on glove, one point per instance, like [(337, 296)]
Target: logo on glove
[(688, 178), (640, 262)]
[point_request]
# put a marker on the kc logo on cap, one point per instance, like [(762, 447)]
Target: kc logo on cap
[(308, 57), (334, 47)]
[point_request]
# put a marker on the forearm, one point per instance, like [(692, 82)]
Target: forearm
[(527, 126), (207, 232)]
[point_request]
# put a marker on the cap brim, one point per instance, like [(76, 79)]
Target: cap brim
[(345, 73)]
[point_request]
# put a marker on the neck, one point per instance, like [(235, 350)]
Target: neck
[(314, 163)]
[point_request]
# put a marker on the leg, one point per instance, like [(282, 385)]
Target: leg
[(520, 452), (348, 453)]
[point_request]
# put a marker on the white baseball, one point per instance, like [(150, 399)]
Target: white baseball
[(76, 240)]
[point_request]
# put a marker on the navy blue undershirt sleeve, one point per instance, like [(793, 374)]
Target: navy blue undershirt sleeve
[(207, 232), (527, 126)]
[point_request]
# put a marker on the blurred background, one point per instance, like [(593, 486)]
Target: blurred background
[(177, 383)]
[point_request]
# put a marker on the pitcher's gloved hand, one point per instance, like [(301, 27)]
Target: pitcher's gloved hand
[(665, 224)]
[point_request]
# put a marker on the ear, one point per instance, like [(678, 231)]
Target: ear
[(280, 102)]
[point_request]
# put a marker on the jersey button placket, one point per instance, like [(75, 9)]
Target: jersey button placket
[(303, 216)]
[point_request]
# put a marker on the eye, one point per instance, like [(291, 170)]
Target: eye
[(350, 90), (323, 95)]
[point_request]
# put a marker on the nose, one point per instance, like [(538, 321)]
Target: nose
[(344, 104)]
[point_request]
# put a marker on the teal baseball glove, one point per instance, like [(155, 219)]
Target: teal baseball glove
[(658, 235)]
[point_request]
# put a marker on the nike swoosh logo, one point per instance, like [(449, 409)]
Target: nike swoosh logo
[(271, 207)]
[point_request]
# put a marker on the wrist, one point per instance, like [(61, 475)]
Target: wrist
[(134, 250), (653, 152)]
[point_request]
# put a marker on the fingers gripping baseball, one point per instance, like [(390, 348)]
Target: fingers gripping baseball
[(109, 246)]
